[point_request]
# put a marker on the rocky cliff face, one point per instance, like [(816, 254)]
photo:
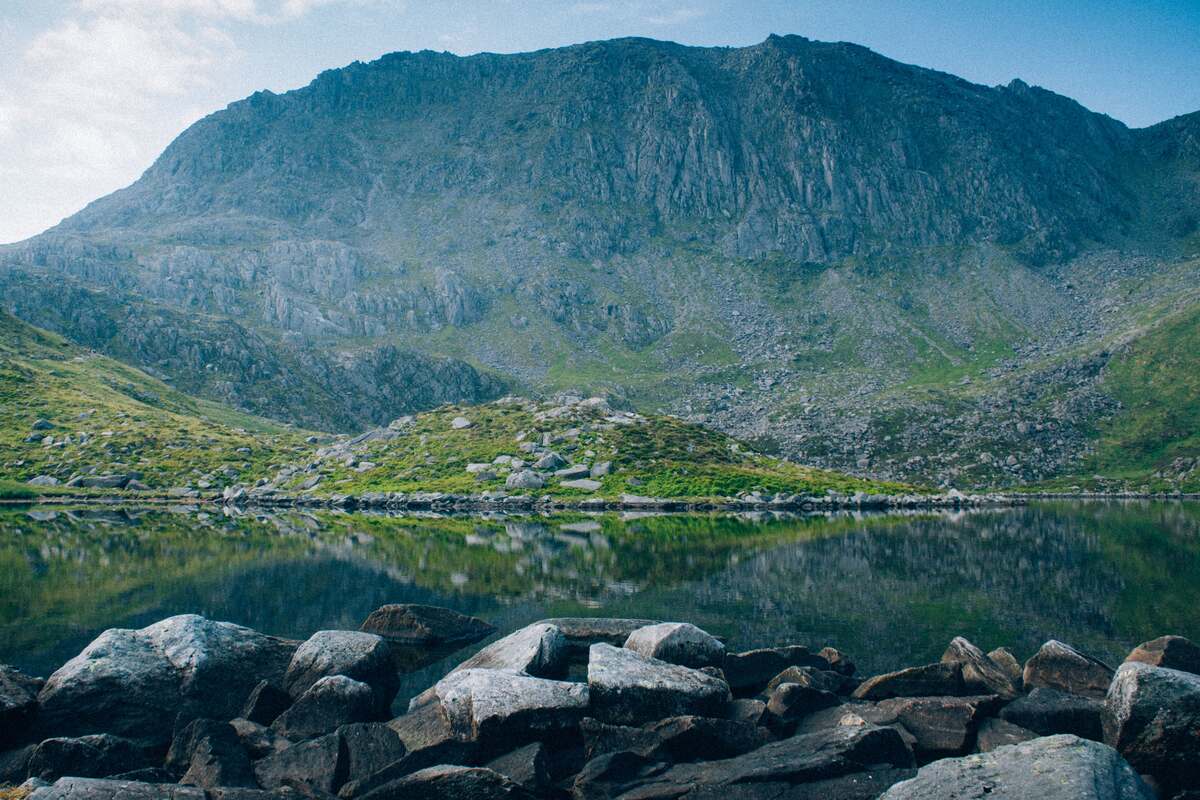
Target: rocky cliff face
[(773, 238)]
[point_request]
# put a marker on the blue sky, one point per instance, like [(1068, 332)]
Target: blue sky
[(92, 90)]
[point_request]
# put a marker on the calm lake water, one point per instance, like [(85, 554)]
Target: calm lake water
[(891, 590)]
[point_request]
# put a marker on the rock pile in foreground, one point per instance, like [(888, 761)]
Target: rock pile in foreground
[(191, 709)]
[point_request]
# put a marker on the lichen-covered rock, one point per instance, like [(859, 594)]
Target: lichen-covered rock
[(1059, 666), (1049, 768), (628, 688), (677, 643)]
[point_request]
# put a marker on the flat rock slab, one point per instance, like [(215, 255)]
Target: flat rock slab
[(1059, 666), (412, 623), (628, 688), (539, 650), (931, 680), (450, 782), (135, 683), (1049, 768), (101, 789)]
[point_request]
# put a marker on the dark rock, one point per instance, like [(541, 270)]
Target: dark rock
[(789, 702), (14, 764), (318, 763), (1060, 666), (18, 704), (749, 672), (931, 680), (265, 703), (257, 740), (147, 775), (136, 683), (838, 662), (600, 738), (995, 733), (1049, 711), (630, 688), (824, 680), (980, 674), (92, 756), (775, 770), (940, 726), (693, 738), (1152, 716), (1170, 652), (527, 766), (329, 703), (96, 789), (430, 625), (1049, 768), (210, 754), (363, 657), (1003, 658), (429, 740), (370, 747), (444, 781), (677, 643), (583, 632), (748, 709)]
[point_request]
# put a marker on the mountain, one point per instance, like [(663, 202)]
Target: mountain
[(854, 262)]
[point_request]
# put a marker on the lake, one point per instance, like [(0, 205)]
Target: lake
[(891, 590)]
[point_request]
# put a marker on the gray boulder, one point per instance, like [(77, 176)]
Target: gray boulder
[(135, 683), (677, 643), (332, 701), (573, 472), (98, 789), (1152, 716), (444, 781), (539, 650), (1050, 768), (369, 748), (318, 763), (43, 480), (524, 479), (980, 674), (583, 484), (364, 657), (629, 688), (504, 708), (1049, 711), (1059, 666), (1170, 652), (931, 680), (550, 461), (411, 623), (528, 766), (209, 753)]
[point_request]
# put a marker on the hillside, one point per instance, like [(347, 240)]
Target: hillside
[(846, 260)]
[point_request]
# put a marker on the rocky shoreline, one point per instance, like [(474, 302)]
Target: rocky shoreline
[(583, 708)]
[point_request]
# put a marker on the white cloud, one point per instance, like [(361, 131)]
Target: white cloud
[(675, 16)]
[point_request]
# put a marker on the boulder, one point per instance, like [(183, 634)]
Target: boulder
[(329, 703), (600, 469), (460, 423), (428, 740), (1049, 711), (980, 674), (318, 763), (838, 661), (550, 461), (583, 632), (98, 789), (823, 679), (583, 484), (749, 672), (427, 625), (810, 766), (1060, 666), (18, 704), (692, 738), (257, 740), (43, 480), (369, 748), (940, 726), (629, 688), (1152, 716), (1170, 652), (931, 680), (1003, 658), (209, 753), (265, 703), (1049, 768), (528, 766), (364, 657), (789, 702), (14, 764), (748, 709), (135, 683), (573, 472), (677, 643), (499, 709), (995, 733), (445, 781), (539, 650), (524, 479), (91, 756)]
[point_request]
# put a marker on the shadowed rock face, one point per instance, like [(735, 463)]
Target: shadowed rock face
[(317, 255)]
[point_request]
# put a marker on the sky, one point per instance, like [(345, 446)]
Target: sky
[(91, 91)]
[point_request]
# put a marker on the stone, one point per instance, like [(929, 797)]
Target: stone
[(495, 707), (18, 704), (319, 763), (1050, 711), (1060, 767), (995, 733), (573, 472), (790, 768), (332, 701), (257, 740), (369, 748), (1003, 658), (14, 764), (42, 425), (1152, 716), (411, 623), (91, 756), (539, 650), (748, 709), (1060, 666), (931, 680), (749, 672), (838, 661), (76, 788), (940, 726), (600, 469), (692, 738), (364, 657), (628, 688), (460, 423), (209, 753), (824, 680), (1170, 652), (583, 632), (677, 643), (528, 766), (136, 683), (43, 480), (789, 702), (980, 674), (550, 461), (265, 703), (524, 479), (583, 484), (446, 781)]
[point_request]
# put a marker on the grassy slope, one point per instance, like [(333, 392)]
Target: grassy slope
[(114, 418)]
